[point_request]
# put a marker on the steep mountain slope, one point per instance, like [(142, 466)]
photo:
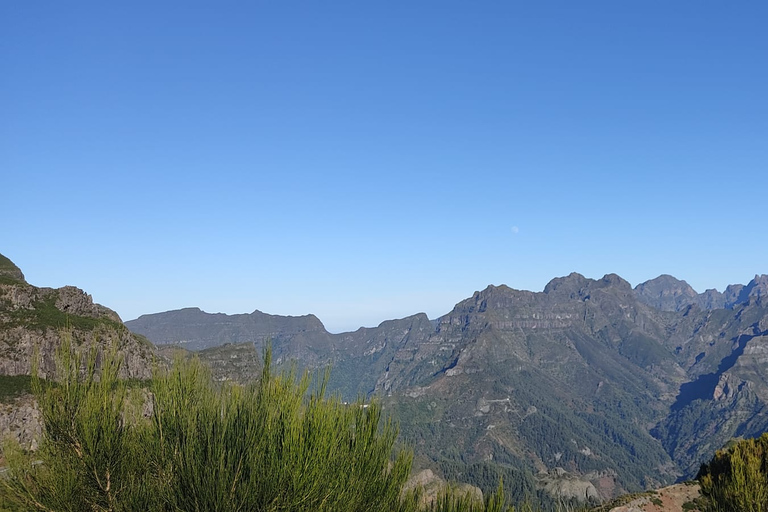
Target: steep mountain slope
[(727, 393), (571, 377)]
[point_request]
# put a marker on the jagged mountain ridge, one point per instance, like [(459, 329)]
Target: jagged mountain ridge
[(483, 383), (668, 293)]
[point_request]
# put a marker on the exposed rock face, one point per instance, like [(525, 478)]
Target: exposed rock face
[(18, 345), (74, 301), (433, 485), (560, 484), (20, 420)]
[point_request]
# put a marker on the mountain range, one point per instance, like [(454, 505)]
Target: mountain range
[(588, 389), (590, 385)]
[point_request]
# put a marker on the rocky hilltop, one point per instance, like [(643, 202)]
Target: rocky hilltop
[(33, 317), (32, 321), (588, 388)]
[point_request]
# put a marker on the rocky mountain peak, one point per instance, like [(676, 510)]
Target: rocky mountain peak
[(667, 293), (616, 281), (567, 284), (757, 287), (10, 270), (576, 286)]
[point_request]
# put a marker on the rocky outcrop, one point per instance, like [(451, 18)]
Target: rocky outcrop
[(33, 321), (74, 301), (562, 485), (20, 421), (432, 486)]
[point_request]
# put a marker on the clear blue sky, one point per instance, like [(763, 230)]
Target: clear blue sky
[(370, 160)]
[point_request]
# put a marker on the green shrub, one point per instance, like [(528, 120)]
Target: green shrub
[(736, 479), (12, 386)]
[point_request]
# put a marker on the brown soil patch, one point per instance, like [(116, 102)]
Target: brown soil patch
[(668, 499)]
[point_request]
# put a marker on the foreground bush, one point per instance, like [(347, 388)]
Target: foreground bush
[(271, 446), (736, 479), (203, 446)]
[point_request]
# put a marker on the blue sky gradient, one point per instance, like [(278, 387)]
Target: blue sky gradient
[(370, 160)]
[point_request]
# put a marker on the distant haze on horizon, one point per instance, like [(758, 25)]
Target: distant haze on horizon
[(366, 161)]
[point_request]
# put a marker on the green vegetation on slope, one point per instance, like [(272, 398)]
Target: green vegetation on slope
[(44, 314), (12, 386), (269, 446), (9, 272)]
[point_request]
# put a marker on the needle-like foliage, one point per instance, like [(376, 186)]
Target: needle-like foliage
[(736, 479)]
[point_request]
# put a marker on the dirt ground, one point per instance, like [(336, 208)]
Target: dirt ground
[(668, 499)]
